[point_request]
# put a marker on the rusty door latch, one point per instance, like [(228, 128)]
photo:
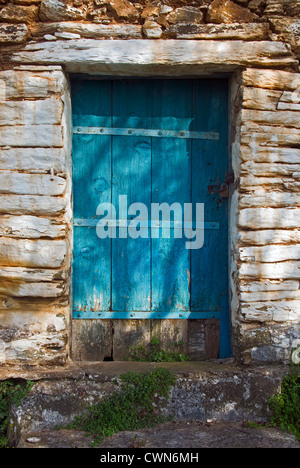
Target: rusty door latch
[(222, 190)]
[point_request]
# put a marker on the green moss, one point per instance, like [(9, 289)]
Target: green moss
[(11, 392), (133, 407), (286, 404)]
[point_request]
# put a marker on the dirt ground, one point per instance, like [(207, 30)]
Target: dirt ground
[(171, 435)]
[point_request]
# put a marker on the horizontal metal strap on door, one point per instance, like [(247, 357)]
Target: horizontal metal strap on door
[(143, 132), (89, 314), (123, 223)]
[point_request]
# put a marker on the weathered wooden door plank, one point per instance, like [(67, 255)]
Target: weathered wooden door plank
[(92, 185), (171, 182), (131, 177)]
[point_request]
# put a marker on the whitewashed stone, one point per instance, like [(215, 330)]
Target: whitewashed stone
[(250, 181), (273, 199), (270, 236), (32, 253), (29, 275), (291, 96), (268, 285), (49, 37), (89, 30), (288, 106), (287, 118), (46, 111), (31, 135), (31, 184), (261, 99), (23, 83), (93, 56), (269, 170), (67, 35), (292, 186), (22, 304), (13, 33), (269, 218), (260, 135), (29, 159), (31, 227), (34, 335), (264, 154), (271, 79), (43, 290), (280, 271), (32, 205), (277, 311), (263, 296), (270, 253)]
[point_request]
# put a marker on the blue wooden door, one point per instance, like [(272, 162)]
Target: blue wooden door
[(150, 142)]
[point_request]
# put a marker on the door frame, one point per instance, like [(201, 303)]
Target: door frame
[(225, 347)]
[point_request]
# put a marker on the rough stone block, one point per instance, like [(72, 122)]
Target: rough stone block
[(27, 336), (287, 118), (32, 205), (13, 33), (31, 135), (268, 236), (269, 218), (40, 290), (123, 9), (32, 253), (33, 159), (89, 30), (32, 84), (56, 10), (152, 30), (271, 79), (270, 253), (19, 13), (261, 99), (226, 11), (186, 14), (280, 271), (269, 199), (245, 32), (31, 184), (31, 227), (268, 311), (47, 111)]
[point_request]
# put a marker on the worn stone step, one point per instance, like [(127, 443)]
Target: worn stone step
[(176, 434), (217, 390)]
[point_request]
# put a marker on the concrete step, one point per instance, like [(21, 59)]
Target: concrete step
[(208, 390)]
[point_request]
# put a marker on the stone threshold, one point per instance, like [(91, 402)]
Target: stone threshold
[(80, 370)]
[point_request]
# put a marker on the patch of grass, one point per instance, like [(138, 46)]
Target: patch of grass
[(10, 393), (286, 404), (154, 353), (133, 407)]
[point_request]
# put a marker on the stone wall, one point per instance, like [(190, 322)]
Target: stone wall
[(257, 42), (24, 20), (34, 223)]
